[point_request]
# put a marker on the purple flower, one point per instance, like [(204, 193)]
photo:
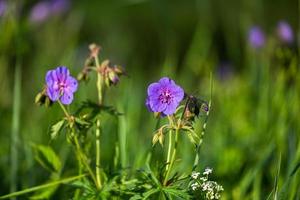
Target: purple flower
[(60, 85), (256, 37), (45, 9), (59, 6), (40, 12), (164, 96), (285, 32), (3, 7)]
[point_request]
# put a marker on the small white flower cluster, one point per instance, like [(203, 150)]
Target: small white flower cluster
[(209, 189)]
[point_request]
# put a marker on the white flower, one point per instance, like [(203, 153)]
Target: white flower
[(203, 179), (195, 175), (195, 186), (207, 171)]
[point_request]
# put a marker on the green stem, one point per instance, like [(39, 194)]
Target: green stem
[(98, 123), (79, 152), (173, 157), (15, 128), (98, 169), (83, 158), (196, 161), (77, 191), (40, 187), (64, 109), (169, 150)]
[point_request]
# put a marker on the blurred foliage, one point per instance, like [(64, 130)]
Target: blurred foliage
[(255, 104)]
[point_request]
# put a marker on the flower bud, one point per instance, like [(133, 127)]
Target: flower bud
[(113, 77), (94, 50), (42, 99), (82, 76), (105, 64), (119, 70)]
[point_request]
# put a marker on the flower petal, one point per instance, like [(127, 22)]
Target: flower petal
[(50, 77), (62, 73), (178, 93), (157, 106), (153, 89), (72, 84), (52, 94), (166, 81), (147, 103), (66, 98), (171, 108)]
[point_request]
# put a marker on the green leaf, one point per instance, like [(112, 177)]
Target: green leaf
[(90, 110), (56, 128), (177, 193), (47, 158), (136, 197), (146, 195)]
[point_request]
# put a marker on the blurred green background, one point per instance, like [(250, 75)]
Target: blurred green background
[(256, 92)]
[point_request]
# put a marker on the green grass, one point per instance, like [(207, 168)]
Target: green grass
[(252, 135)]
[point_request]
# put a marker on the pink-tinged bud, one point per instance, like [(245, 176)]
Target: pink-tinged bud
[(94, 50), (285, 32)]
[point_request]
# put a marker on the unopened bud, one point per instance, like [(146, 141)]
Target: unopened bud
[(94, 49), (113, 77)]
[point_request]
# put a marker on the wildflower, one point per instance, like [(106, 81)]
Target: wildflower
[(195, 186), (45, 9), (285, 32), (164, 96), (110, 74), (60, 85), (256, 37), (207, 188), (40, 12), (3, 7), (195, 175), (59, 6), (207, 171)]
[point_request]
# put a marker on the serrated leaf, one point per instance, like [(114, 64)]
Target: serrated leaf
[(81, 122), (177, 193), (90, 110), (47, 158), (147, 194), (56, 128)]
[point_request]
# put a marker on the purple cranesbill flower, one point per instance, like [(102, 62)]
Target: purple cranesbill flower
[(40, 12), (256, 37), (59, 6), (3, 7), (164, 96), (60, 85), (285, 32)]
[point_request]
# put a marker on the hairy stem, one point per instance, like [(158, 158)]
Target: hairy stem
[(79, 153), (173, 157), (64, 109), (169, 150), (83, 158), (196, 161), (98, 123)]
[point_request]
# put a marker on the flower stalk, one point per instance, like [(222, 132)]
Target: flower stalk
[(171, 163), (98, 124), (80, 155)]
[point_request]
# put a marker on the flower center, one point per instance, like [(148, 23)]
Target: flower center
[(62, 87), (165, 97)]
